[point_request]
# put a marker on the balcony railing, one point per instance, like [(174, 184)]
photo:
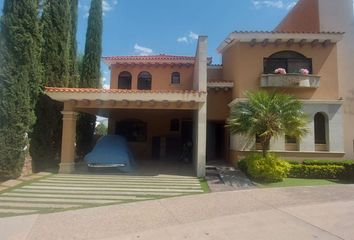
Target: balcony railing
[(290, 81)]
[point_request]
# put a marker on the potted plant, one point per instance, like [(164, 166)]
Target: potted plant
[(280, 71), (304, 81)]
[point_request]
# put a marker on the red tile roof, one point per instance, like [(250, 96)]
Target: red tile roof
[(289, 32), (153, 59), (102, 90)]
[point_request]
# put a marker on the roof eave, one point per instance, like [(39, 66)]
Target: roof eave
[(259, 37)]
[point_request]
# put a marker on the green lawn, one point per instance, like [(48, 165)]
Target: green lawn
[(297, 182)]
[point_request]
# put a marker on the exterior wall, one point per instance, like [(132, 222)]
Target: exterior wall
[(158, 125), (334, 113), (218, 109), (304, 17), (161, 76), (243, 65), (215, 74), (338, 16)]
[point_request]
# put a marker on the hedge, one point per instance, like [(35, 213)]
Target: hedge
[(328, 162), (316, 171)]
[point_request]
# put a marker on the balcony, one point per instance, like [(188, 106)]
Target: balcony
[(290, 81)]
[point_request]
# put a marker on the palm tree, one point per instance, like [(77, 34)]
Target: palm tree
[(268, 115)]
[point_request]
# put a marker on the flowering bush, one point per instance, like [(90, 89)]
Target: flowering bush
[(304, 71), (280, 71)]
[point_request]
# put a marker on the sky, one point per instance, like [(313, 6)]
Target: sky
[(146, 27)]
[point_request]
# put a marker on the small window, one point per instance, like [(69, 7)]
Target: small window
[(144, 81), (174, 125), (175, 78), (292, 140)]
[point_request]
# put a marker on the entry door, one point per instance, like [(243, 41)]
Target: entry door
[(216, 144)]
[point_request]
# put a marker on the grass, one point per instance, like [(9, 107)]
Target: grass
[(298, 182), (204, 185)]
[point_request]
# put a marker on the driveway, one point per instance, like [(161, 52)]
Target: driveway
[(325, 212), (72, 191)]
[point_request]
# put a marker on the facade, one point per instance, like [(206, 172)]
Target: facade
[(161, 103)]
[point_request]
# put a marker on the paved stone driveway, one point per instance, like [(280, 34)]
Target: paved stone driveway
[(64, 192)]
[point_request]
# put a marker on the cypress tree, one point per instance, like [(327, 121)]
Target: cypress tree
[(90, 75), (46, 138), (73, 69), (20, 77)]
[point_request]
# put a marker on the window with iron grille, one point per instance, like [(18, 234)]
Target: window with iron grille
[(291, 61)]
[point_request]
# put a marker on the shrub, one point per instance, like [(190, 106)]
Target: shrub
[(242, 165), (266, 169), (328, 162), (316, 171), (348, 173)]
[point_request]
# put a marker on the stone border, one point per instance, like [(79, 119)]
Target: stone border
[(15, 182)]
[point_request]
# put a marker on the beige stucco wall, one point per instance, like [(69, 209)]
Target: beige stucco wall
[(161, 76), (215, 74), (243, 65), (304, 17), (218, 109)]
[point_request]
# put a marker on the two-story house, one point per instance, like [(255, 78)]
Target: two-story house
[(161, 103)]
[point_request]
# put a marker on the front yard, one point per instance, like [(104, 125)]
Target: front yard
[(299, 182)]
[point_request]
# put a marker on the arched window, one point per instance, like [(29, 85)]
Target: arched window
[(144, 81), (320, 129), (175, 78), (125, 80), (291, 61)]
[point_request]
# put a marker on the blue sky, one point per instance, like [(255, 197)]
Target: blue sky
[(136, 27)]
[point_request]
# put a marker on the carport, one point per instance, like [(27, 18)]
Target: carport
[(185, 104)]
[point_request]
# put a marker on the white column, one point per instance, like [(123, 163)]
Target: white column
[(335, 134)]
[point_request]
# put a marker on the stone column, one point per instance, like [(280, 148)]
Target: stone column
[(200, 128), (67, 164)]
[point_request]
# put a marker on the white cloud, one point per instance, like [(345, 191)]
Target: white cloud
[(107, 6), (182, 39), (190, 37), (142, 51), (193, 36), (280, 4)]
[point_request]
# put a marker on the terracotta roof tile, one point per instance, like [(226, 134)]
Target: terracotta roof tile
[(102, 90), (289, 32), (152, 59)]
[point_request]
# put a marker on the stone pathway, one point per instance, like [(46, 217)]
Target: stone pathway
[(224, 178), (62, 192)]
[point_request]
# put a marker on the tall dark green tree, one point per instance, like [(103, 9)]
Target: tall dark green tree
[(46, 137), (90, 74), (73, 69), (20, 77)]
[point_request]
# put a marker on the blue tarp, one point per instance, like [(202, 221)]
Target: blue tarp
[(112, 149)]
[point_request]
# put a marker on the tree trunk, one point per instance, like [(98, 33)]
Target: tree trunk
[(265, 145)]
